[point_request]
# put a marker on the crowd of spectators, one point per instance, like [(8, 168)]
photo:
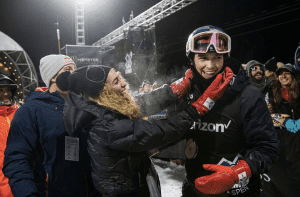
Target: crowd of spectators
[(42, 156)]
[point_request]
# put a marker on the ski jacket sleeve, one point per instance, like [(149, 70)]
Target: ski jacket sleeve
[(141, 135), (262, 139), (20, 154), (157, 100)]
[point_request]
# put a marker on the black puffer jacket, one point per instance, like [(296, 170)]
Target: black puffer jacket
[(117, 145)]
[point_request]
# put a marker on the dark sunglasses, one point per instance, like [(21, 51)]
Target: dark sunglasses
[(254, 68)]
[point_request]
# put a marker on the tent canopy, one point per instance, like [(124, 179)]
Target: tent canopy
[(16, 64), (8, 44)]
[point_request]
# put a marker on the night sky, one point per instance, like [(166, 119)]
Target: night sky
[(259, 29)]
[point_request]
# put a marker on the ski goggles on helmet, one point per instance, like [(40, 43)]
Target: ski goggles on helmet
[(203, 41)]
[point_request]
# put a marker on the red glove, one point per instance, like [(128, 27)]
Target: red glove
[(181, 86), (224, 177), (214, 92)]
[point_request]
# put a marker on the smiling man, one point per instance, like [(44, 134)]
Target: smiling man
[(256, 72)]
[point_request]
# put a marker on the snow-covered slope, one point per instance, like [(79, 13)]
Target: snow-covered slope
[(171, 177)]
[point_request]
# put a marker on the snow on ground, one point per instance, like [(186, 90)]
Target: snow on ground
[(171, 177)]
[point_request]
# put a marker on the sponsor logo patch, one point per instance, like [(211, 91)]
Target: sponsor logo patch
[(212, 127), (242, 186)]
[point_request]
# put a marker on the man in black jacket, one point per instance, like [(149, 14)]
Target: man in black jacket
[(231, 145)]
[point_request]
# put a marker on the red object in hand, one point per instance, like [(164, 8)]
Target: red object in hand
[(224, 177), (181, 86), (214, 92)]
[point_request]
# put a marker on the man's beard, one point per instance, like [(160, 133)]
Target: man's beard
[(258, 75), (123, 103)]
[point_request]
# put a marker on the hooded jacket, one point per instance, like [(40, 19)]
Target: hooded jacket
[(297, 54), (117, 145), (36, 148), (265, 84), (6, 115)]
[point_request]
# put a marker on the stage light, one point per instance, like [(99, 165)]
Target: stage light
[(6, 69)]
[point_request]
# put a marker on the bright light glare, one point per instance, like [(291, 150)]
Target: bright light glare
[(83, 1)]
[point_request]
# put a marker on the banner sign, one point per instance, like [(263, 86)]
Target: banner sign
[(83, 55)]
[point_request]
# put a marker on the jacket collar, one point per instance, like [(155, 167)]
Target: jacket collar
[(8, 109), (237, 84)]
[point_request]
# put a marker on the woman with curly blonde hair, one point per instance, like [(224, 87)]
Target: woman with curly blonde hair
[(124, 104), (118, 138)]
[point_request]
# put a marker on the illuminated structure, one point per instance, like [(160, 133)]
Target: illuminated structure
[(16, 64), (79, 23), (146, 19), (139, 39)]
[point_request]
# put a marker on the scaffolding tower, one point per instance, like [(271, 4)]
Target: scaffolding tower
[(146, 19), (79, 24)]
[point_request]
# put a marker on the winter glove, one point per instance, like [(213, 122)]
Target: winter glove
[(181, 86), (278, 119), (214, 92), (224, 177), (292, 125)]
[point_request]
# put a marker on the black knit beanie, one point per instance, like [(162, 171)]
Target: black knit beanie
[(87, 80)]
